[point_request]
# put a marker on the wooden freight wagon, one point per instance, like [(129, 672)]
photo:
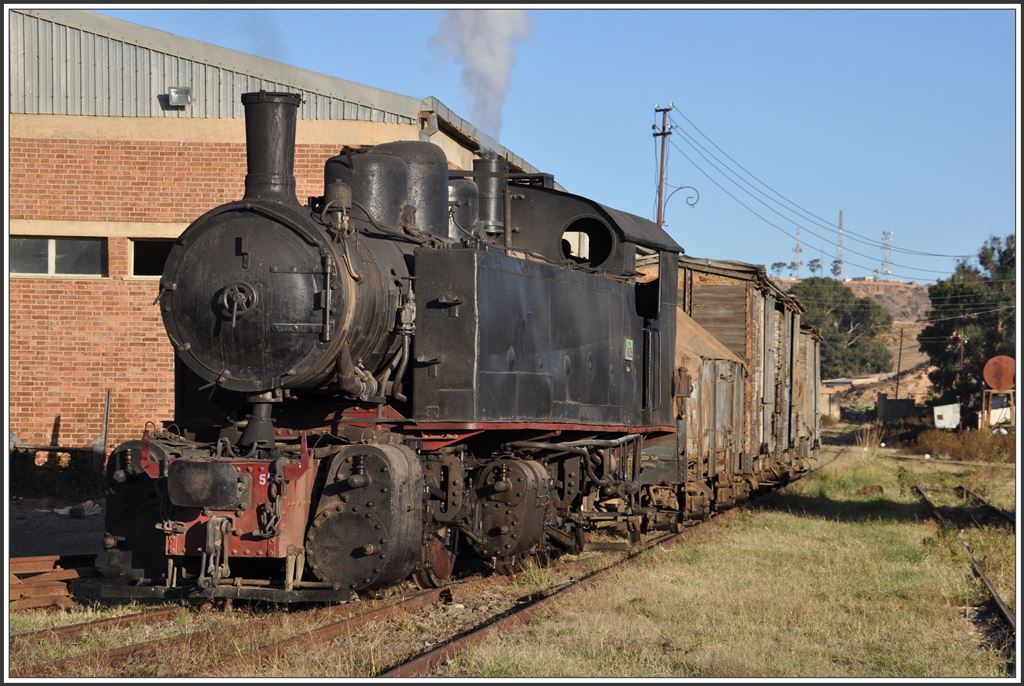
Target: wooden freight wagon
[(807, 388), (760, 323)]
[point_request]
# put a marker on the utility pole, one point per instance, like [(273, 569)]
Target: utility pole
[(899, 365), (839, 252), (960, 382), (665, 132)]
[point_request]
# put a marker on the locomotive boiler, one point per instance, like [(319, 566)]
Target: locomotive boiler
[(413, 366)]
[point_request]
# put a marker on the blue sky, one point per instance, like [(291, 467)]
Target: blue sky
[(902, 118)]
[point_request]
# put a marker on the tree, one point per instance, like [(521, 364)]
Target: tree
[(837, 268), (815, 266), (849, 327), (777, 267), (978, 304)]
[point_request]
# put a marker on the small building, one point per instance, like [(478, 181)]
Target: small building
[(120, 136)]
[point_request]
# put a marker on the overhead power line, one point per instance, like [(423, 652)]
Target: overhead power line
[(967, 314), (805, 213), (696, 147), (804, 284), (768, 221)]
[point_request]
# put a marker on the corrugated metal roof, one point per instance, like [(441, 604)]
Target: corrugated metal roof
[(82, 63), (78, 62)]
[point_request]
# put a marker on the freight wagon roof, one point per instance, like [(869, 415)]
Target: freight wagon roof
[(812, 331), (743, 271), (77, 62)]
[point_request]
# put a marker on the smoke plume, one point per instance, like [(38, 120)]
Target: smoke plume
[(483, 42)]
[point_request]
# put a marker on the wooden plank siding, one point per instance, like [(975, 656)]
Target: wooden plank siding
[(722, 310)]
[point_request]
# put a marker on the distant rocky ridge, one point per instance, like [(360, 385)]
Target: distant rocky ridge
[(908, 304), (905, 301)]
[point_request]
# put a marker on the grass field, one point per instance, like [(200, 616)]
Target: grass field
[(829, 579)]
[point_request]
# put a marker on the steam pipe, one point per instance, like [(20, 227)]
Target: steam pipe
[(270, 145)]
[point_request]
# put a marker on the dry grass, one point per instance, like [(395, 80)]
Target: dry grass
[(994, 547), (826, 582), (25, 621), (868, 438), (982, 446), (993, 543)]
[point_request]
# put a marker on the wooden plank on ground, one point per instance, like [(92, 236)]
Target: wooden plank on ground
[(48, 563), (63, 575), (42, 601), (39, 590)]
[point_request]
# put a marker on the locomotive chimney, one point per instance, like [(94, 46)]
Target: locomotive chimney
[(270, 145), (491, 176)]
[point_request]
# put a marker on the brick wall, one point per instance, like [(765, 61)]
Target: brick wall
[(70, 339), (90, 180)]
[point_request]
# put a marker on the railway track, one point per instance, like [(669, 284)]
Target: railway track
[(342, 620), (1001, 515), (1003, 610), (428, 662)]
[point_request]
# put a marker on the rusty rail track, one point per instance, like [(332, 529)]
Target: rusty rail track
[(998, 512), (113, 657), (71, 630), (1004, 610), (427, 662), (431, 660), (409, 604), (116, 656), (943, 461)]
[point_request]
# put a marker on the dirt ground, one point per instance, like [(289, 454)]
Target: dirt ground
[(31, 532)]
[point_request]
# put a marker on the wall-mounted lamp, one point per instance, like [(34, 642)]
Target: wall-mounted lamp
[(179, 96)]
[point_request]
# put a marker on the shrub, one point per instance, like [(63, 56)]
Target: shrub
[(982, 446)]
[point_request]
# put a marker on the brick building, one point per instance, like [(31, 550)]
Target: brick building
[(106, 171)]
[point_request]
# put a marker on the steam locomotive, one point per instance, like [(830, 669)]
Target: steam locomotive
[(415, 366)]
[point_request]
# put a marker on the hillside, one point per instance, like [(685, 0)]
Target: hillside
[(908, 303)]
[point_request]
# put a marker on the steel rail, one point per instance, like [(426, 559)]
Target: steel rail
[(114, 656), (431, 660), (975, 565), (427, 662), (347, 625), (958, 463), (71, 630), (987, 505)]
